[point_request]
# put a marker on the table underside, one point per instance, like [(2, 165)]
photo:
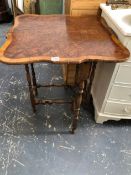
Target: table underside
[(81, 89)]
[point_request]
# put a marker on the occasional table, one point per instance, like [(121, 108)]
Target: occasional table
[(61, 39)]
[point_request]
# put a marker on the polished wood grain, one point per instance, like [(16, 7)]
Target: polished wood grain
[(73, 40), (78, 8)]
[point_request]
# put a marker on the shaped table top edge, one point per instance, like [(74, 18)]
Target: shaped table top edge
[(78, 60)]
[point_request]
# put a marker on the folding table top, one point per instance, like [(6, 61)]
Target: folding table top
[(60, 39)]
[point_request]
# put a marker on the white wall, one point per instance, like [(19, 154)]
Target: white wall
[(20, 4), (9, 2)]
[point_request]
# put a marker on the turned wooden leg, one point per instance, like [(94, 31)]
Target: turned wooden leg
[(34, 79), (77, 104), (32, 98), (88, 85)]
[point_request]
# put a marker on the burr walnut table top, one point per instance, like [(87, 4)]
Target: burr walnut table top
[(61, 39)]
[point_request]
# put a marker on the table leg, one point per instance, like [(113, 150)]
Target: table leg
[(87, 90), (28, 76), (34, 79), (77, 104)]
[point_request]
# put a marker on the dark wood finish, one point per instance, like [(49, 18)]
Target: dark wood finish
[(34, 79), (86, 101), (72, 39), (76, 101), (51, 101), (78, 8), (32, 97), (77, 104)]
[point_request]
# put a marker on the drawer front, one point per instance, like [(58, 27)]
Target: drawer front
[(86, 4), (120, 93), (120, 109), (124, 74)]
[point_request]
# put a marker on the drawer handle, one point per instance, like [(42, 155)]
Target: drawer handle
[(127, 110)]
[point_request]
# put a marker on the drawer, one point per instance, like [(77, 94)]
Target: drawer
[(120, 93), (124, 74), (120, 109), (84, 4)]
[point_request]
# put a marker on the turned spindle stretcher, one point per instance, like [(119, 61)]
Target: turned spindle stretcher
[(61, 39)]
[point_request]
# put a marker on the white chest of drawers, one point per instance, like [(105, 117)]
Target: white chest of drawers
[(111, 89)]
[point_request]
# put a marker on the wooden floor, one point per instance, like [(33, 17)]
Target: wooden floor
[(41, 144)]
